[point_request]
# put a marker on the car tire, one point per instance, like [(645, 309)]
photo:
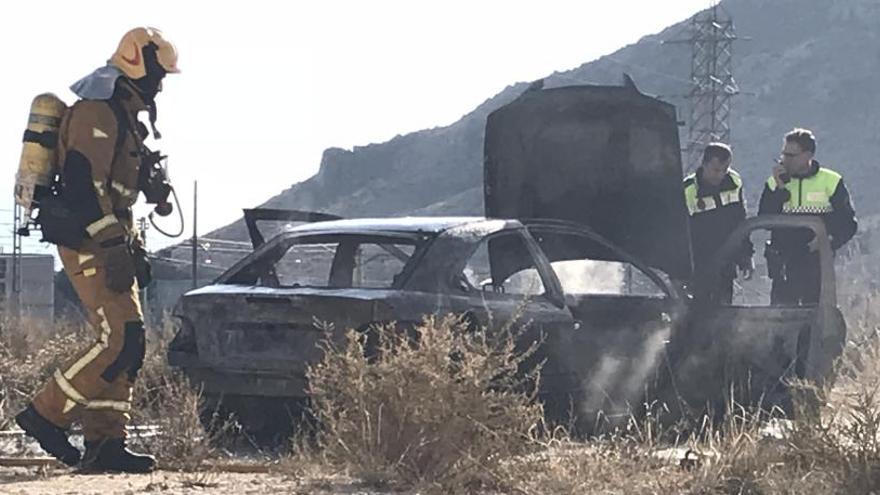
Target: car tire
[(265, 421)]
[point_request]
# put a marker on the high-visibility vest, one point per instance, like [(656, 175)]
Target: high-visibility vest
[(697, 204), (809, 195)]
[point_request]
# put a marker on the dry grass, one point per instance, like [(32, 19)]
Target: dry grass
[(413, 418), (30, 352)]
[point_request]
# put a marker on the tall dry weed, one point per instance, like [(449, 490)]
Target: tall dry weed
[(438, 408)]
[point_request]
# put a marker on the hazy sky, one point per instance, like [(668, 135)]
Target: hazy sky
[(267, 86)]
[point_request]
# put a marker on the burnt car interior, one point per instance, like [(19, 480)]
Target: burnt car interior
[(332, 261), (502, 263), (603, 288)]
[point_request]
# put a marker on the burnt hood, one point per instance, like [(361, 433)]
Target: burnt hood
[(607, 157)]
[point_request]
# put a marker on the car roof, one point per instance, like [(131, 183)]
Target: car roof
[(433, 225)]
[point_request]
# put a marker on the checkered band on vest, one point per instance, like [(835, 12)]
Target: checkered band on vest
[(809, 195)]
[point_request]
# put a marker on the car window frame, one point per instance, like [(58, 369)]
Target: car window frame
[(828, 282), (421, 241), (622, 256), (552, 290)]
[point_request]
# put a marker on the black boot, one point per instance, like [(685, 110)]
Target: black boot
[(110, 454), (51, 438)]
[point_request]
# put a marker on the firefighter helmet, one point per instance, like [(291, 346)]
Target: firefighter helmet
[(129, 56)]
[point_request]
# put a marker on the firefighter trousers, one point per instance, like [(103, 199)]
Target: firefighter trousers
[(95, 386)]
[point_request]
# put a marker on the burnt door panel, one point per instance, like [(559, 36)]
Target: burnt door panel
[(744, 354)]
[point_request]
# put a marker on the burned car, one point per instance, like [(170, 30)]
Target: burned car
[(602, 278)]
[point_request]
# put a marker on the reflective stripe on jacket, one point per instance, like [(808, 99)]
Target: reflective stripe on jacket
[(697, 203)]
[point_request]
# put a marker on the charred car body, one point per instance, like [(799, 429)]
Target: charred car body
[(604, 279)]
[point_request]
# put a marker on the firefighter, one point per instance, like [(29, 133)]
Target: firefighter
[(716, 204), (100, 151), (801, 186)]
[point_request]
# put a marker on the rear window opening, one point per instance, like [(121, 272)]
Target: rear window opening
[(333, 261)]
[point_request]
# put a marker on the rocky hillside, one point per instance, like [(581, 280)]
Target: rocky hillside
[(810, 63)]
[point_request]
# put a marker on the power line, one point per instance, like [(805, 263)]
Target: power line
[(646, 69)]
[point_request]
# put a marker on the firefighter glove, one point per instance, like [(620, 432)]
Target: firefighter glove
[(142, 269), (119, 265)]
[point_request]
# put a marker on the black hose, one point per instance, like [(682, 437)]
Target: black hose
[(179, 214)]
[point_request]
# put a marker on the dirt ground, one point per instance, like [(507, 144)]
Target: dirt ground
[(55, 481), (231, 474)]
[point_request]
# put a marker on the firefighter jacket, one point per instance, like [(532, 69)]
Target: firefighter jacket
[(99, 169), (715, 211), (819, 192)]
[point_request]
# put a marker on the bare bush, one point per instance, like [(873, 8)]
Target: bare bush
[(438, 407), (30, 350)]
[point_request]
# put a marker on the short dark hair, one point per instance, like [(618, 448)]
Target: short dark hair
[(803, 138), (717, 150)]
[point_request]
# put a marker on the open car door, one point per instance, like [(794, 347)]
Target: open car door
[(755, 345)]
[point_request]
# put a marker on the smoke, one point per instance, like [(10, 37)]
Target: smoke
[(623, 371), (590, 277)]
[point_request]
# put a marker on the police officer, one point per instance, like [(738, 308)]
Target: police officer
[(100, 151), (715, 201), (801, 186)]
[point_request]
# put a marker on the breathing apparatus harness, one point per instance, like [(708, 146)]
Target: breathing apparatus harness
[(39, 185)]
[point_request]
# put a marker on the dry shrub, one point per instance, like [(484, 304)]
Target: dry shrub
[(842, 439), (437, 407), (30, 350)]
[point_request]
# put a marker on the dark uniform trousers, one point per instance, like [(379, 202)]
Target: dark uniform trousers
[(798, 281)]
